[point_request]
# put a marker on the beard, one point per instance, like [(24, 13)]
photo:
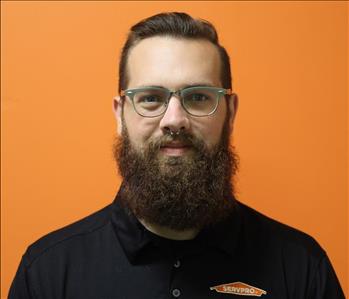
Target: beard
[(192, 191)]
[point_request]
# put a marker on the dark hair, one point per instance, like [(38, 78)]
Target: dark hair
[(175, 24)]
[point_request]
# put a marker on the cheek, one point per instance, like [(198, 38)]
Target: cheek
[(211, 132), (210, 129), (139, 128)]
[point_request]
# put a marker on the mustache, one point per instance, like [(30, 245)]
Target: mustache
[(183, 138)]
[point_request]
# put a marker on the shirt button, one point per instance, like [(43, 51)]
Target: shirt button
[(177, 264), (176, 293)]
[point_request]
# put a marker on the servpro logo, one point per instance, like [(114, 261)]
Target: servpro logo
[(239, 288)]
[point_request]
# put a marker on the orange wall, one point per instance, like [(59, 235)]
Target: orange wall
[(59, 66)]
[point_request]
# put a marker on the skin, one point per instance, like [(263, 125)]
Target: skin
[(173, 63)]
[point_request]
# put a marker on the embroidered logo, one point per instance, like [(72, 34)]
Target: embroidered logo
[(239, 288)]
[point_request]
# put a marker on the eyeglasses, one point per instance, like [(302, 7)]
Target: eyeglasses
[(197, 101)]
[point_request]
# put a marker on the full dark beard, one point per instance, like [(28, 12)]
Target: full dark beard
[(179, 193)]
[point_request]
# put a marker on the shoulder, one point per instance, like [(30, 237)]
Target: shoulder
[(276, 235), (59, 239), (293, 258)]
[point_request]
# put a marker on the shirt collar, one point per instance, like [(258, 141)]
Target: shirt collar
[(134, 237)]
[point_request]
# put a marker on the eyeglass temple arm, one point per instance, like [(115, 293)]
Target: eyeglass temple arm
[(229, 92)]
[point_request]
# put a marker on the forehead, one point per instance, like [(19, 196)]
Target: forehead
[(173, 62)]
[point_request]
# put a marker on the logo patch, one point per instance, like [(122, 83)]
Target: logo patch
[(239, 288)]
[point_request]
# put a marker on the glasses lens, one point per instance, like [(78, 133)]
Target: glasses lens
[(200, 101), (150, 102)]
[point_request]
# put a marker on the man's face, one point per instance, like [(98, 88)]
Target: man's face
[(181, 181), (173, 63)]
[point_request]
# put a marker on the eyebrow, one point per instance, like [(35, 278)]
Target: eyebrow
[(196, 84)]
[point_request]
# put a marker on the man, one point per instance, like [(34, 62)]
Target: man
[(175, 229)]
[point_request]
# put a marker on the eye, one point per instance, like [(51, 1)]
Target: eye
[(150, 99), (198, 97)]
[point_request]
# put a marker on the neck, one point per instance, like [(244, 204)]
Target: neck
[(168, 233)]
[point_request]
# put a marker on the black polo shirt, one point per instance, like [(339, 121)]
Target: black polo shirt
[(110, 255)]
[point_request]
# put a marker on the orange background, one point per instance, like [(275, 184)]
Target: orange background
[(59, 75)]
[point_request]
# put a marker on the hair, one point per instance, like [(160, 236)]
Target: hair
[(177, 25)]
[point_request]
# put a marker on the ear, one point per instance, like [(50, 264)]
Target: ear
[(233, 104), (117, 108)]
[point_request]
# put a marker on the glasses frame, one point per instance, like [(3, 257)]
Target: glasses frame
[(220, 92)]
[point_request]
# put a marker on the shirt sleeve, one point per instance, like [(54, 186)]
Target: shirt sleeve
[(20, 288), (325, 284)]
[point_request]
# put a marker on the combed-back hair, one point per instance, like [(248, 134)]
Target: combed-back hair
[(177, 25)]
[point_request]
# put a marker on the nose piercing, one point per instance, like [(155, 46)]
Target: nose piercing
[(174, 133)]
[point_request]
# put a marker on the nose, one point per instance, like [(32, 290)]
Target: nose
[(175, 118)]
